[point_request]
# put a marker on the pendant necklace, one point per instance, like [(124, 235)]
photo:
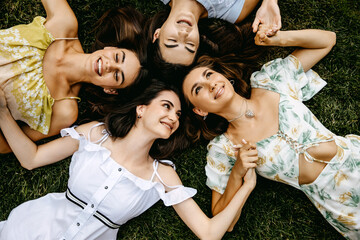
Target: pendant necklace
[(248, 113)]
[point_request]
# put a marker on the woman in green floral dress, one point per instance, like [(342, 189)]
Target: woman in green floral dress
[(268, 127)]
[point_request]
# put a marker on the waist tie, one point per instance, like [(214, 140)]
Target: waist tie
[(101, 217)]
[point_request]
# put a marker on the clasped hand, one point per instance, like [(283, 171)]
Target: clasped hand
[(245, 164)]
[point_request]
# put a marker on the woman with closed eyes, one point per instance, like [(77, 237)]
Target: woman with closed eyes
[(43, 66)]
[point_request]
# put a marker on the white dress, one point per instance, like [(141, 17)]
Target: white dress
[(101, 196)]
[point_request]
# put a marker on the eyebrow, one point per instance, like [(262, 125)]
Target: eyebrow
[(196, 84), (193, 87), (176, 45), (164, 100)]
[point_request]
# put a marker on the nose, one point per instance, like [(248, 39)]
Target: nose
[(173, 117), (112, 66), (212, 86)]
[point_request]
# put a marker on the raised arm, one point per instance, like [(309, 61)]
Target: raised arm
[(214, 228), (248, 7), (27, 152), (314, 44), (269, 15), (60, 20)]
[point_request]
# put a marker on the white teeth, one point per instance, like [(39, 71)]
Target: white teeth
[(167, 125), (99, 66)]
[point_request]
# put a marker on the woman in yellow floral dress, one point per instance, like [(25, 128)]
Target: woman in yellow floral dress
[(42, 67), (273, 131)]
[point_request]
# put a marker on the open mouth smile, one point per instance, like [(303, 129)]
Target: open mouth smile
[(168, 125), (184, 22), (98, 67), (219, 92)]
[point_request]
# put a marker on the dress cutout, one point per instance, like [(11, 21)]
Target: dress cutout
[(336, 191)]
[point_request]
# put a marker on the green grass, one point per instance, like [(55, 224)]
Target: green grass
[(274, 210)]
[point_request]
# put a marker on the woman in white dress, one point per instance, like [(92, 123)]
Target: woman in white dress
[(114, 174)]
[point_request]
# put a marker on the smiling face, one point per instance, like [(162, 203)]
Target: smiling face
[(178, 39), (113, 68), (161, 116), (207, 90)]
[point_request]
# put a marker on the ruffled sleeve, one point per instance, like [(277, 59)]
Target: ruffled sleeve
[(286, 76), (220, 159), (177, 195)]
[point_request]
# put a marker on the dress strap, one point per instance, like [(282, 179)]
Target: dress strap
[(64, 98), (75, 38), (104, 132), (156, 165)]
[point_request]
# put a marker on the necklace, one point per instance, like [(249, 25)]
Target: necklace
[(248, 112)]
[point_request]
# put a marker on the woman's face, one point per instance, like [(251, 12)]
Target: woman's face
[(207, 90), (161, 116), (113, 68), (178, 39)]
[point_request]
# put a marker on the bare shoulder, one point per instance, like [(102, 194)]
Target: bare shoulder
[(168, 175), (88, 128)]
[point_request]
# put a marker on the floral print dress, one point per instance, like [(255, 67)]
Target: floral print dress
[(22, 49), (336, 191)]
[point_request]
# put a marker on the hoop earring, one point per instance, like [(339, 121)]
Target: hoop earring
[(232, 81)]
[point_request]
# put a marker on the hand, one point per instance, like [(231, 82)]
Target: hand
[(247, 156), (263, 40), (269, 15), (250, 178)]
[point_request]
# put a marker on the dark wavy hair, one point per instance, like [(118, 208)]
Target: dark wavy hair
[(123, 118), (122, 28), (170, 72)]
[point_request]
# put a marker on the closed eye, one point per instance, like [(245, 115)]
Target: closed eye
[(116, 76)]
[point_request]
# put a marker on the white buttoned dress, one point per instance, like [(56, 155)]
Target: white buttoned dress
[(101, 196)]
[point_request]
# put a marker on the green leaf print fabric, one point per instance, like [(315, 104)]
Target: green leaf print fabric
[(336, 191)]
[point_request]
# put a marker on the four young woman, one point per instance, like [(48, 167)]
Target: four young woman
[(260, 124)]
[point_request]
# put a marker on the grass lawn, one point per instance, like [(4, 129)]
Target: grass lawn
[(274, 210)]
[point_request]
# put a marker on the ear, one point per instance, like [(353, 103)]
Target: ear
[(140, 109), (156, 35), (111, 91), (200, 112)]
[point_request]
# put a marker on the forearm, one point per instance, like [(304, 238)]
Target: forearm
[(307, 38), (23, 148), (234, 183), (224, 219)]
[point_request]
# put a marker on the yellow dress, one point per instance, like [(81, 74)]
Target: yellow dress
[(22, 50)]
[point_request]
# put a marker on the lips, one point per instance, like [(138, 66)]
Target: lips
[(168, 125), (219, 92), (184, 22), (98, 67)]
